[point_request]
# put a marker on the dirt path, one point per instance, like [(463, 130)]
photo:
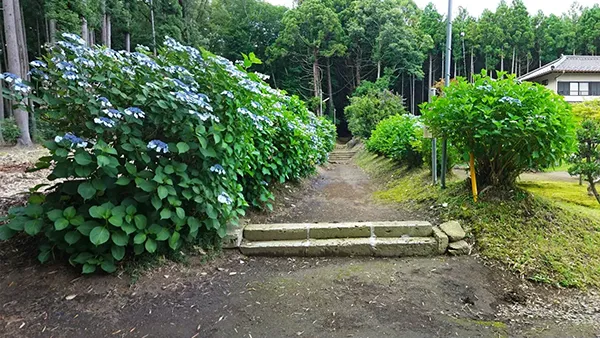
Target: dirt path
[(339, 193), (237, 296)]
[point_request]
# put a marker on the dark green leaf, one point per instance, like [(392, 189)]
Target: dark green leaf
[(118, 252), (99, 235), (120, 238), (72, 237), (86, 190)]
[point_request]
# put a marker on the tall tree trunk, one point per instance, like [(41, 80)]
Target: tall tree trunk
[(513, 63), (378, 69), (412, 94), (85, 33), (329, 88), (52, 31), (22, 39), (430, 79), (472, 63), (153, 28), (128, 42), (92, 38), (358, 68), (540, 58), (455, 68), (502, 62), (316, 85), (14, 66), (402, 84), (108, 31)]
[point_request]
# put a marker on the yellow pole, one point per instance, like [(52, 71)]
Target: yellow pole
[(473, 178)]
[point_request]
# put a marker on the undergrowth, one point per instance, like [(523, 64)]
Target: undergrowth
[(534, 236)]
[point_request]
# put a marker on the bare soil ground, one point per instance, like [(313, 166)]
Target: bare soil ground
[(238, 296)]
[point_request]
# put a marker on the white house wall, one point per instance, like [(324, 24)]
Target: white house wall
[(576, 77), (554, 78)]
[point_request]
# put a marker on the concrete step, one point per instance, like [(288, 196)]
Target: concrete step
[(380, 247), (303, 231)]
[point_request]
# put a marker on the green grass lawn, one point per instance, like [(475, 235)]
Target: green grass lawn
[(545, 231)]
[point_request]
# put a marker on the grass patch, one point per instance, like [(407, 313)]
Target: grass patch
[(532, 234)]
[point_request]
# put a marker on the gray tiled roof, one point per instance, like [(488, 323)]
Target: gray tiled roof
[(568, 64)]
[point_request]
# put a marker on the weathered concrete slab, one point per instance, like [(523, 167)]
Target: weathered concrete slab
[(403, 228), (276, 232), (301, 231), (382, 247), (405, 247)]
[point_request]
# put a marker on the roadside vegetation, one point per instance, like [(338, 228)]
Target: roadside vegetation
[(546, 231), (132, 179)]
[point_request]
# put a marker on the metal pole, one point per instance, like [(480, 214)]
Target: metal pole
[(447, 83), (433, 146)]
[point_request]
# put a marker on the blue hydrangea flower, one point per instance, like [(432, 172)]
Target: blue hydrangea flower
[(136, 112), (105, 121), (104, 102), (278, 105), (38, 64), (198, 99), (66, 66), (486, 88), (205, 116), (217, 168), (227, 93), (224, 198), (250, 85), (85, 62), (128, 71), (21, 88), (84, 84), (74, 37), (75, 141), (34, 72), (113, 113), (10, 78), (256, 105), (510, 100), (70, 76), (159, 146)]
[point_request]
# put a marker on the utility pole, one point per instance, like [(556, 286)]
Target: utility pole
[(447, 83)]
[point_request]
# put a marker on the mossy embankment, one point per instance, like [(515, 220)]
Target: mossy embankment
[(541, 238)]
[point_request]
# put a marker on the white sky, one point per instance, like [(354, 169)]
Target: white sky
[(475, 7)]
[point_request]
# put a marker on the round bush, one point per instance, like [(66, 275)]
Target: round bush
[(398, 137), (364, 112), (509, 126), (156, 152)]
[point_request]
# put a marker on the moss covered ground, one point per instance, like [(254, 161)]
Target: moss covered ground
[(545, 231)]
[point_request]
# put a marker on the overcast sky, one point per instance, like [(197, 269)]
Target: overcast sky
[(475, 7)]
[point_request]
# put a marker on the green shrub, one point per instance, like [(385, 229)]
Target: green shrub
[(398, 137), (587, 110), (10, 131), (157, 152), (586, 161), (364, 112), (508, 125)]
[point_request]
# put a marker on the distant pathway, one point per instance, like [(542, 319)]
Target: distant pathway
[(339, 193)]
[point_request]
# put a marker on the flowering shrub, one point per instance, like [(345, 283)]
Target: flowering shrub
[(509, 126), (398, 137), (157, 151)]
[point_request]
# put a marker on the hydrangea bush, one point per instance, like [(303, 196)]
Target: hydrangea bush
[(399, 137), (509, 126), (156, 151)]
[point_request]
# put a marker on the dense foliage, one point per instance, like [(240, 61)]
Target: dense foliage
[(508, 125), (155, 152), (399, 137), (366, 110), (589, 109), (586, 161)]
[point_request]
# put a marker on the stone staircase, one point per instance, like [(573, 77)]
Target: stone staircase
[(381, 239), (341, 154)]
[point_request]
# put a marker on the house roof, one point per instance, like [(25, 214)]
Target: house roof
[(567, 64)]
